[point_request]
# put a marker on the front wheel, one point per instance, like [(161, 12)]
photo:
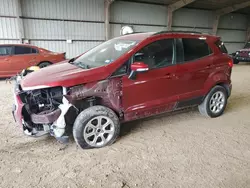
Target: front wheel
[(236, 61), (96, 127), (214, 103)]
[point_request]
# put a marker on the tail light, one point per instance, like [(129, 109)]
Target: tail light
[(230, 63)]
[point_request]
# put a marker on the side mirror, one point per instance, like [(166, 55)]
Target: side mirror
[(137, 67)]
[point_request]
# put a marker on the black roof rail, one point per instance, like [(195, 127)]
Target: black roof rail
[(165, 32)]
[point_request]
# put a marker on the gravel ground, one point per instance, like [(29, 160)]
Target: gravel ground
[(180, 149)]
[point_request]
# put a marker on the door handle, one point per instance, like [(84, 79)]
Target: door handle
[(209, 66)]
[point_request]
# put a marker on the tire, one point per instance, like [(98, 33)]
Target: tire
[(236, 61), (89, 133), (212, 107), (44, 64)]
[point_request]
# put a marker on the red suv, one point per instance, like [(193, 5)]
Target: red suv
[(124, 79)]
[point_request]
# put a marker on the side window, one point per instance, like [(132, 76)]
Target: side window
[(22, 50), (221, 46), (5, 50), (157, 54), (122, 70), (195, 49), (34, 51)]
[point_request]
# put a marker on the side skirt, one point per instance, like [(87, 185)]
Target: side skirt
[(190, 102)]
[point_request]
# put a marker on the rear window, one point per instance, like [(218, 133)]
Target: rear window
[(19, 50), (5, 50), (221, 46), (22, 50)]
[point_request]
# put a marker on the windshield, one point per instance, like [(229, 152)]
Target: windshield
[(247, 45), (104, 54)]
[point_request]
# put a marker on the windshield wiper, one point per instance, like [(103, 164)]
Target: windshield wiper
[(72, 60), (81, 64)]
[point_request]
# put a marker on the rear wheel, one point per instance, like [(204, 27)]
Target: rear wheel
[(214, 103), (236, 61), (96, 127), (44, 64)]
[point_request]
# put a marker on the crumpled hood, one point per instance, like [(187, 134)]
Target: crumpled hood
[(62, 74)]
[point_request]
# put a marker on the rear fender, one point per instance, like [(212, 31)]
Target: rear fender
[(218, 78)]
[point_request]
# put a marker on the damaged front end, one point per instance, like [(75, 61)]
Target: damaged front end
[(54, 110), (44, 111)]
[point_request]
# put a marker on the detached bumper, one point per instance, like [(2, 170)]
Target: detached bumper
[(17, 110)]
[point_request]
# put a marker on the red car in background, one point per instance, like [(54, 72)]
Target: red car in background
[(16, 57), (242, 55)]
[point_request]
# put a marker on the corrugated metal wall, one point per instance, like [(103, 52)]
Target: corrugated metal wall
[(8, 22), (148, 17), (232, 27), (7, 8), (143, 17), (49, 23)]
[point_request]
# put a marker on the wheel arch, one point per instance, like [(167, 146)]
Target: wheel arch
[(44, 62), (218, 78), (87, 102)]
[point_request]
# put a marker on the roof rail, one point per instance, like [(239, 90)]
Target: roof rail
[(163, 32)]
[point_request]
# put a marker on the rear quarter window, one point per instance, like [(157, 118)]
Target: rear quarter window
[(221, 46), (195, 49)]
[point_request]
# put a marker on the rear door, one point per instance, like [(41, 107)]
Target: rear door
[(5, 60), (24, 57), (195, 63)]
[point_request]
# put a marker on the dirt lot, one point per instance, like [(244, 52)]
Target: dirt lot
[(176, 150)]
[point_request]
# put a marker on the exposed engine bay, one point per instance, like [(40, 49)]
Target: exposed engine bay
[(43, 100), (44, 111), (53, 110)]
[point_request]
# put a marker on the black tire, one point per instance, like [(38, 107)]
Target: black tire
[(236, 61), (44, 64), (204, 107), (88, 114)]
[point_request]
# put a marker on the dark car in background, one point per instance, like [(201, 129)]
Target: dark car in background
[(242, 55)]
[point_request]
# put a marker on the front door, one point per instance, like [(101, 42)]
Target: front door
[(151, 92), (5, 61)]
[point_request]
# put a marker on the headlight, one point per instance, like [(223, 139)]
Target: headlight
[(249, 54), (237, 53)]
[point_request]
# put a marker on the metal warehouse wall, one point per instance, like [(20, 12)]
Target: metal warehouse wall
[(232, 27), (49, 23), (148, 17), (143, 17), (8, 22)]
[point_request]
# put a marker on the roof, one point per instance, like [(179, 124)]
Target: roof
[(28, 45), (142, 36), (136, 36)]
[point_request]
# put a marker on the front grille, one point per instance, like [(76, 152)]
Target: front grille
[(244, 54)]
